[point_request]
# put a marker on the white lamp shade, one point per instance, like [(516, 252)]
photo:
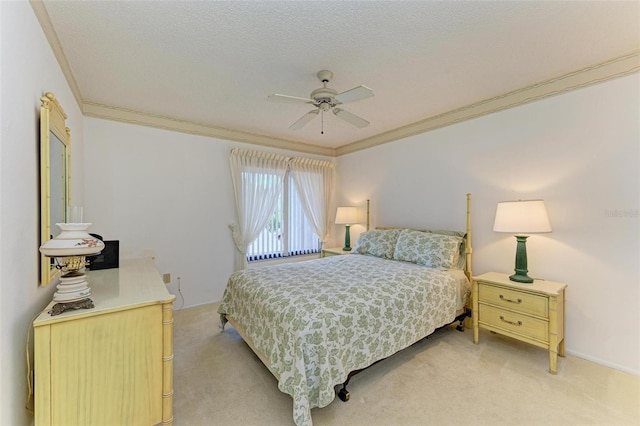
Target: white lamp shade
[(522, 217), (74, 240), (347, 216)]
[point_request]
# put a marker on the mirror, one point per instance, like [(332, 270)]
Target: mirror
[(55, 156)]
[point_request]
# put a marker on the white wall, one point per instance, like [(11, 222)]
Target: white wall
[(29, 69), (580, 152), (168, 195)]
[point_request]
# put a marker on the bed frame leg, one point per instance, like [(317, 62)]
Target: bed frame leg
[(461, 318), (223, 322), (343, 393)]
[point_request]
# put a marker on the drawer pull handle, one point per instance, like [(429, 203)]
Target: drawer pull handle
[(518, 301), (510, 322)]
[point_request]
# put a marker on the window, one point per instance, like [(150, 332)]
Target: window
[(283, 202), (288, 231)]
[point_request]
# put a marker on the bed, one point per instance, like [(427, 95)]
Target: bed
[(315, 323)]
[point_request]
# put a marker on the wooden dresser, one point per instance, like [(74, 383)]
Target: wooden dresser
[(113, 364), (533, 313)]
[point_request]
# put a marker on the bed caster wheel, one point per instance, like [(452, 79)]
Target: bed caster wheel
[(344, 395), (460, 327)]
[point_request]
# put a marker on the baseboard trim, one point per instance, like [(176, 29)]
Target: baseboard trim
[(604, 363)]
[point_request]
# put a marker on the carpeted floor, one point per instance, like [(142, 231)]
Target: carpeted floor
[(442, 380)]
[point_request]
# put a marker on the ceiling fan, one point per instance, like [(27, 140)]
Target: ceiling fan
[(325, 99)]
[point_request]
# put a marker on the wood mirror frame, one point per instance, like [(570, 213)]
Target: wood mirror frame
[(55, 158)]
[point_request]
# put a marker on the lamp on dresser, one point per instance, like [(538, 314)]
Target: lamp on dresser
[(521, 217), (347, 216), (69, 249)]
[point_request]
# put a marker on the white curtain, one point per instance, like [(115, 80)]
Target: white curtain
[(258, 178), (315, 182)]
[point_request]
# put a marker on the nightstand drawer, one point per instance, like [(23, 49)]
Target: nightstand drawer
[(515, 323), (517, 300)]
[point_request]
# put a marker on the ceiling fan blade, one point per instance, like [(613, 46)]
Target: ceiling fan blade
[(350, 118), (302, 121), (355, 94), (289, 99)]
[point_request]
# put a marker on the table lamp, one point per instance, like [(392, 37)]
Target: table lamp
[(69, 249), (519, 218), (347, 216)]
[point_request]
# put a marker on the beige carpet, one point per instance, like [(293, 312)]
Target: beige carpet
[(442, 380)]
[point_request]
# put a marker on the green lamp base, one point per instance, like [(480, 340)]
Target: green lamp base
[(520, 278), (521, 262), (347, 239)]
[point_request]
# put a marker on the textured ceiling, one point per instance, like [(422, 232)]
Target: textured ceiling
[(215, 63)]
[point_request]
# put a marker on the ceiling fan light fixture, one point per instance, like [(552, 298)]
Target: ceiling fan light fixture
[(323, 93), (326, 99)]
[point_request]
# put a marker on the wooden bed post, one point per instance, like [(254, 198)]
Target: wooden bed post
[(467, 265), (368, 215), (468, 248)]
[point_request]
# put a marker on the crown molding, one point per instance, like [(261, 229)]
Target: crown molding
[(168, 123), (611, 69), (125, 115), (604, 71), (614, 68), (52, 37)]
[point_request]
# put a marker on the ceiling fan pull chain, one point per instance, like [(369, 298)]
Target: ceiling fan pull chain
[(322, 123)]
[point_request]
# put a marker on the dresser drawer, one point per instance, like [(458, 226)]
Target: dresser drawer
[(511, 299), (514, 322)]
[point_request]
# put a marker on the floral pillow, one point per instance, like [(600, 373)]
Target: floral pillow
[(377, 242), (425, 248)]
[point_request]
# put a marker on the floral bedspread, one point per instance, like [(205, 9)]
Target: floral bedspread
[(318, 320)]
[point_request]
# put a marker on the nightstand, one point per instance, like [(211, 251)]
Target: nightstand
[(333, 251), (532, 313)]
